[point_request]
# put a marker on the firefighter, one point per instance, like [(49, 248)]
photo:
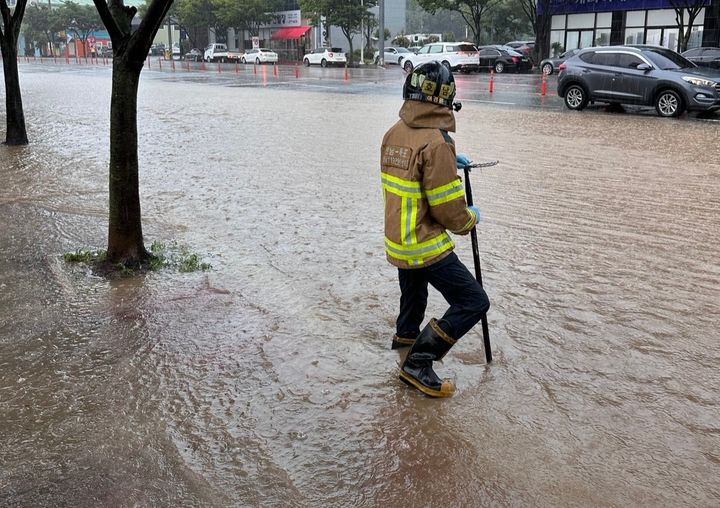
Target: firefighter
[(424, 199)]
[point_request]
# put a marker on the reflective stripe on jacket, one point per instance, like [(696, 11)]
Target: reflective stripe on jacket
[(423, 194)]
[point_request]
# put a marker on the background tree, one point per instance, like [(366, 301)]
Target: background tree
[(539, 13), (196, 16), (79, 20), (130, 48), (40, 24), (507, 22), (344, 14), (472, 11), (692, 8), (418, 20), (247, 15), (16, 133)]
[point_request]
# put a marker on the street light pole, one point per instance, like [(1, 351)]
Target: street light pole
[(362, 32), (381, 34)]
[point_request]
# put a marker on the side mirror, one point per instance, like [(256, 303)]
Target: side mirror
[(643, 67)]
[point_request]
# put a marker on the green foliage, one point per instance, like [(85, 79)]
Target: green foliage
[(40, 24), (449, 36), (246, 14), (402, 41), (173, 255), (557, 48), (87, 256), (79, 20)]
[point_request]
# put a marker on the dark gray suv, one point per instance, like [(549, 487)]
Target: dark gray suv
[(643, 75)]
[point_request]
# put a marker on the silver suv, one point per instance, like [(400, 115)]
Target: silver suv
[(643, 75)]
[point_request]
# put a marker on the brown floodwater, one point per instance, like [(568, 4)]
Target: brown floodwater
[(268, 381)]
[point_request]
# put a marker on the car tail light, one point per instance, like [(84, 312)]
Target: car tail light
[(330, 55), (515, 59), (562, 66)]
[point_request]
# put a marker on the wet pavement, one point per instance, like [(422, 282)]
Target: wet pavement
[(269, 381)]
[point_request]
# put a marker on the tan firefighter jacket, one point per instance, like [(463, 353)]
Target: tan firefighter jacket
[(424, 196)]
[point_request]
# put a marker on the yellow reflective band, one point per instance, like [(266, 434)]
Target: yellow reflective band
[(402, 187), (445, 193), (420, 251)]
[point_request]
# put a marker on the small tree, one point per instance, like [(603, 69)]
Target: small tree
[(472, 11), (692, 8), (402, 41), (16, 133), (539, 13), (344, 14), (41, 24), (79, 20), (130, 48)]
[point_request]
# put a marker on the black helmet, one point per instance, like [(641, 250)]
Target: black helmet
[(431, 82)]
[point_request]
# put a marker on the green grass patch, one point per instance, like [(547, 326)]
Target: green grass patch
[(86, 256), (173, 255)]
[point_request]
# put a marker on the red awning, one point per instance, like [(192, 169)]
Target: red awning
[(291, 32)]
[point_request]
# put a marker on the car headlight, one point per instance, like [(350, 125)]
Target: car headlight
[(699, 81)]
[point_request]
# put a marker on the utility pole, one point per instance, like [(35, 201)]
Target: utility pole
[(362, 32), (381, 34)]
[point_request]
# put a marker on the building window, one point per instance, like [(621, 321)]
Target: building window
[(635, 35), (602, 37)]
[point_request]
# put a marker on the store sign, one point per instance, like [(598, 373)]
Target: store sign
[(572, 6), (284, 18)]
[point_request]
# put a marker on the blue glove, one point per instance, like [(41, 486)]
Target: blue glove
[(462, 160), (476, 212)]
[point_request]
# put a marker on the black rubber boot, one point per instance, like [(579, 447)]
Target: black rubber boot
[(431, 345), (399, 342)]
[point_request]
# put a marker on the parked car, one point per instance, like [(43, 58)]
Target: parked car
[(462, 56), (525, 47), (501, 60), (550, 65), (414, 49), (259, 55), (643, 75), (194, 55), (704, 57), (325, 57), (392, 55)]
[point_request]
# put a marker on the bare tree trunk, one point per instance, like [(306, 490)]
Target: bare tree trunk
[(16, 132), (125, 238)]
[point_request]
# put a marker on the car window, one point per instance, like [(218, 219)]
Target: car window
[(712, 53), (336, 50), (403, 50), (588, 57), (263, 49), (436, 48), (467, 47), (451, 48), (423, 50), (668, 60), (692, 52), (628, 61), (605, 58)]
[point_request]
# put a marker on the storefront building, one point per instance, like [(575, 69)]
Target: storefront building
[(585, 23)]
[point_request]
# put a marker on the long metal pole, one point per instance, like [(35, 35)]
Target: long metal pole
[(381, 33), (478, 271)]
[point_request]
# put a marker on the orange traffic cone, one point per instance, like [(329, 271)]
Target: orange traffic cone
[(347, 74), (543, 86), (492, 81)]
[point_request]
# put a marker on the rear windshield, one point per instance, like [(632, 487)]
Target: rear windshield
[(465, 47), (336, 50), (264, 49), (668, 60)]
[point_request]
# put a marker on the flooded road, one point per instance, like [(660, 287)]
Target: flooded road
[(269, 381)]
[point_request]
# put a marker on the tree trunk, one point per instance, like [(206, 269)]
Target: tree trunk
[(16, 132), (125, 239)]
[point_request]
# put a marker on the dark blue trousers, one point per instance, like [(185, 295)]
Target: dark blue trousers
[(468, 300)]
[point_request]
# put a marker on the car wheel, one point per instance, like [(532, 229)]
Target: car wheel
[(499, 67), (575, 97), (669, 104), (408, 66), (547, 69), (400, 61), (306, 62), (257, 61), (244, 61), (377, 60), (323, 63), (447, 65)]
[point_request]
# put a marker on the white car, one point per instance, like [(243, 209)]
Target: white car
[(462, 56), (259, 55), (325, 57), (393, 55)]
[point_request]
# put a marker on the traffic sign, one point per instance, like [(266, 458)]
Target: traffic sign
[(91, 39)]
